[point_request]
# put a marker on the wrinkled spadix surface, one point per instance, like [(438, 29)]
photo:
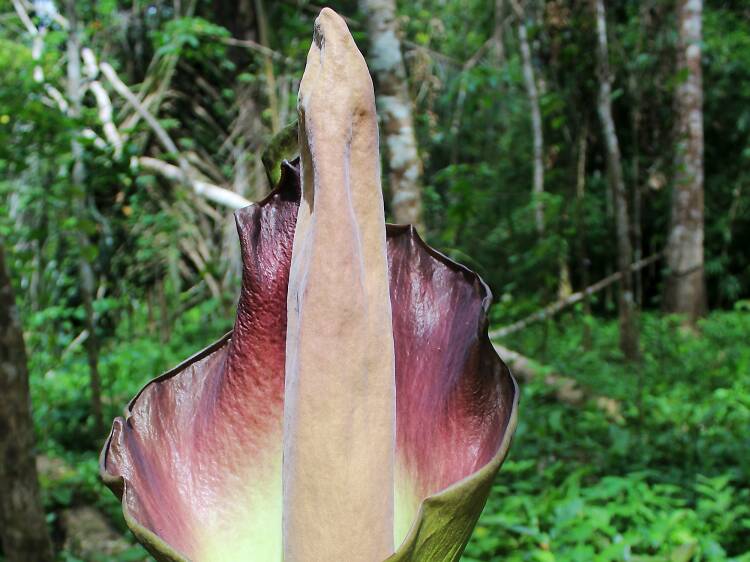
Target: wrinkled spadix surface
[(217, 461), (340, 400)]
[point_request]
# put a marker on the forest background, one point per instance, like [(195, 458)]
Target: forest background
[(552, 146)]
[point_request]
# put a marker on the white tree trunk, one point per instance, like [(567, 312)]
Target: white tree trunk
[(686, 293), (532, 92), (394, 110)]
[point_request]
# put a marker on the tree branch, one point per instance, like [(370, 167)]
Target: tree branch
[(212, 192), (103, 102), (121, 88), (567, 390), (556, 307)]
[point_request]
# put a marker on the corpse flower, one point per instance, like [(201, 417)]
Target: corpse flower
[(357, 411)]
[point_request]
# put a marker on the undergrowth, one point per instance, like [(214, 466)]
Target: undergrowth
[(666, 479)]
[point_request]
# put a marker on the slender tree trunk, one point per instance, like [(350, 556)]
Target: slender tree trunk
[(635, 173), (532, 92), (636, 117), (498, 42), (626, 305), (273, 98), (564, 287), (165, 319), (637, 211), (686, 292), (734, 208), (609, 210), (85, 272), (395, 111), (23, 530), (583, 258)]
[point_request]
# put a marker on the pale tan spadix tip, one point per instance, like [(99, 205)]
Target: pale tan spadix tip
[(333, 42), (329, 26), (336, 92)]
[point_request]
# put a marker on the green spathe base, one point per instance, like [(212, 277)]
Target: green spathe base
[(445, 521)]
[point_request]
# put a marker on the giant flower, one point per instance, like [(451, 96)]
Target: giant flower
[(357, 411)]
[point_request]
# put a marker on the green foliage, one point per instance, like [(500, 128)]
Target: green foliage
[(191, 33), (134, 356), (667, 481)]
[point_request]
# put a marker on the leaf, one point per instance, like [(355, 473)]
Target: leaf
[(684, 553)]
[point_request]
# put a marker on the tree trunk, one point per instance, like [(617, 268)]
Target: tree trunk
[(567, 389), (686, 292), (273, 99), (635, 173), (626, 305), (85, 272), (498, 42), (583, 259), (23, 530), (395, 111), (536, 117), (637, 211), (634, 85)]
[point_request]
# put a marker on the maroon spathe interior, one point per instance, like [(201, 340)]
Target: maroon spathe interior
[(453, 393)]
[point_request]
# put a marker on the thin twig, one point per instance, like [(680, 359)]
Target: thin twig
[(249, 44)]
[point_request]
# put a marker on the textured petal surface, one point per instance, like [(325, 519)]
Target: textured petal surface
[(198, 458), (455, 399)]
